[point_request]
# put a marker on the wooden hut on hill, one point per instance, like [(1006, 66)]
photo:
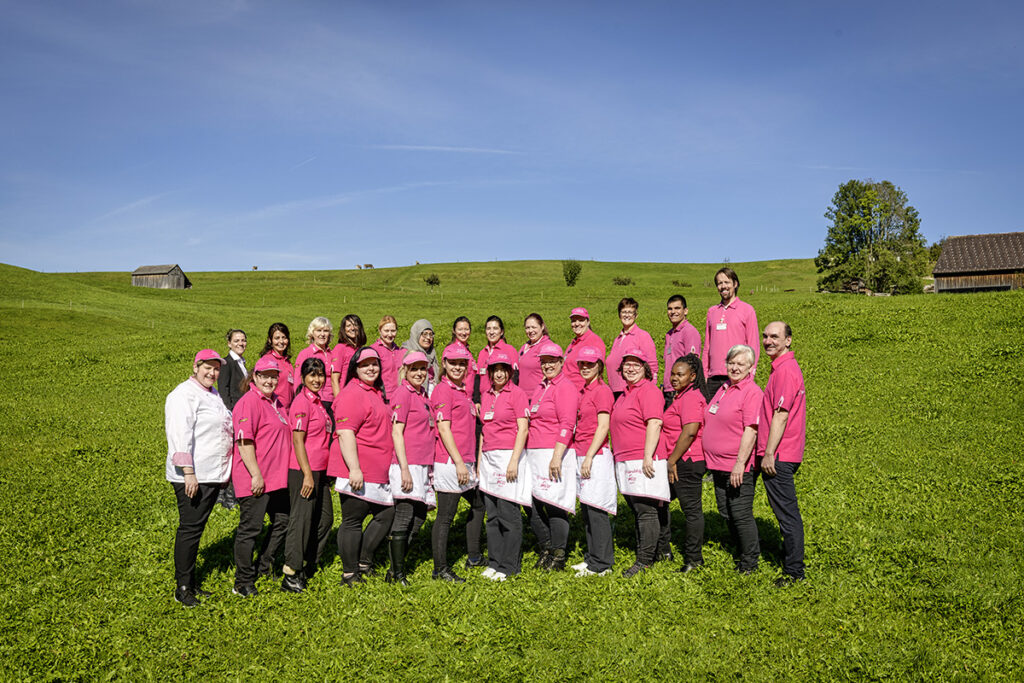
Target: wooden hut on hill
[(977, 263), (161, 277)]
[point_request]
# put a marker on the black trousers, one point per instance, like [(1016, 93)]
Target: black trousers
[(504, 535), (597, 525), (736, 505), (715, 382), (550, 525), (447, 506), (669, 397), (356, 546), (192, 515), (303, 549), (781, 490), (647, 526), (409, 517), (250, 524), (688, 489)]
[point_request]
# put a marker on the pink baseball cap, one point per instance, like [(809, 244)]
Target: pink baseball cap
[(456, 352), (579, 310), (634, 352), (588, 354), (266, 364), (367, 352), (550, 349), (415, 357), (499, 357), (207, 354)]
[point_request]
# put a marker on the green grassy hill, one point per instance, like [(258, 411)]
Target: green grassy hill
[(911, 494)]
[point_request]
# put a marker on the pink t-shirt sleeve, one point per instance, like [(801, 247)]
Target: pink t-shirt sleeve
[(401, 410), (441, 402), (298, 414), (519, 403), (651, 403), (567, 402), (244, 417), (751, 410), (704, 353), (647, 346), (753, 334), (692, 411), (785, 395), (603, 399), (353, 410)]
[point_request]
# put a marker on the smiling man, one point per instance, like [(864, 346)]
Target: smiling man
[(729, 323)]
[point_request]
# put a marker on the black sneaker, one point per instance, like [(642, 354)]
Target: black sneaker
[(543, 557), (690, 567), (478, 561), (293, 584), (186, 596), (391, 577), (637, 568), (265, 573), (246, 590), (556, 561), (200, 593), (367, 570), (787, 580), (446, 574), (353, 580)]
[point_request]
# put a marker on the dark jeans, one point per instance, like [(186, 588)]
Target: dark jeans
[(447, 506), (301, 547), (781, 490), (355, 546), (192, 515), (409, 517), (550, 525), (688, 491), (647, 526), (504, 535), (600, 552), (714, 383), (737, 507), (250, 524), (669, 397)]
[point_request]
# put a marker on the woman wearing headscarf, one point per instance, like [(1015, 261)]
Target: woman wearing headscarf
[(421, 338)]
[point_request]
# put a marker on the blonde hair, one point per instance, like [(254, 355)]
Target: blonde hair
[(385, 320), (319, 323)]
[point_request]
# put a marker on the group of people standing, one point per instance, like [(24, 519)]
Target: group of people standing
[(396, 430)]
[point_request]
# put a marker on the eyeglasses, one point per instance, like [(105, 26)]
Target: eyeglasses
[(633, 364)]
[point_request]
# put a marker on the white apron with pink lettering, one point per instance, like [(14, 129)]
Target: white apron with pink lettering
[(633, 482), (422, 490), (493, 467), (446, 477), (562, 493), (599, 490), (374, 493)]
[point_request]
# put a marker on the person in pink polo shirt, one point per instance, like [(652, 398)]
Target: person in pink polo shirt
[(681, 339), (259, 472), (390, 354), (553, 408), (309, 488), (318, 335), (455, 452), (504, 474), (279, 347), (351, 336), (681, 439), (198, 464), (410, 472), (731, 422), (729, 322), (596, 487), (530, 374), (494, 331), (640, 467), (360, 460), (579, 320), (781, 441), (631, 337)]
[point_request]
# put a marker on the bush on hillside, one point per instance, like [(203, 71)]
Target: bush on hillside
[(622, 281), (571, 271)]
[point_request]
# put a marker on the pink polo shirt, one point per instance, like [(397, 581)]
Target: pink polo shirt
[(595, 398), (641, 402), (571, 370), (553, 408), (530, 374), (785, 391), (681, 340), (360, 408), (412, 408), (307, 414), (314, 351), (732, 409), (341, 356), (485, 354), (727, 326), (624, 341), (390, 362), (265, 423), (500, 412), (286, 382), (453, 404), (687, 407)]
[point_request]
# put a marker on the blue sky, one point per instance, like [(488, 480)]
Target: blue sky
[(310, 135)]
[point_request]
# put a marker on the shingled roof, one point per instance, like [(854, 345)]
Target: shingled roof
[(981, 253), (154, 270)]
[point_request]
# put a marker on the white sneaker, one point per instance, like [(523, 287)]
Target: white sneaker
[(488, 573), (581, 565), (497, 576), (586, 572)]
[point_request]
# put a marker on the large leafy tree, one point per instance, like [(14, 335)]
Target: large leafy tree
[(875, 236)]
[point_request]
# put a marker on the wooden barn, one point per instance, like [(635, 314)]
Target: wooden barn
[(161, 277), (978, 263)]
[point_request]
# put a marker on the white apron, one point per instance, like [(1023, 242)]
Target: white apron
[(421, 487), (599, 491), (375, 493), (561, 494), (447, 480), (633, 481), (493, 466)]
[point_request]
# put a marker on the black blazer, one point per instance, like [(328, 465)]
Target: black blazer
[(227, 384)]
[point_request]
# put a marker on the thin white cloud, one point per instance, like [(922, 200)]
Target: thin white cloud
[(444, 148), (137, 204), (302, 163)]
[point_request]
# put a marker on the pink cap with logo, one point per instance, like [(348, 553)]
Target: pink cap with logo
[(580, 311), (499, 357), (205, 355), (456, 352), (266, 364), (634, 352), (589, 354), (414, 357), (367, 352), (550, 349)]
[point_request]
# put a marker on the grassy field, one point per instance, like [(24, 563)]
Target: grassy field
[(911, 493)]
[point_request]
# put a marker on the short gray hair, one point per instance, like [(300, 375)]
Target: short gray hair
[(738, 349)]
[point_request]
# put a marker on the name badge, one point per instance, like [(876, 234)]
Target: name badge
[(430, 422), (291, 379), (534, 407), (489, 415), (720, 326), (713, 408)]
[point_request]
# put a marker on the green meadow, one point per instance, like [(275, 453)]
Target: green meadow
[(911, 492)]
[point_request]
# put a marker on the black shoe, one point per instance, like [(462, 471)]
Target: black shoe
[(666, 556), (556, 561), (367, 570), (200, 593), (446, 574), (391, 577), (351, 581), (293, 583), (787, 580), (637, 568), (690, 567), (186, 596), (746, 572), (265, 573), (246, 590), (543, 557), (478, 561)]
